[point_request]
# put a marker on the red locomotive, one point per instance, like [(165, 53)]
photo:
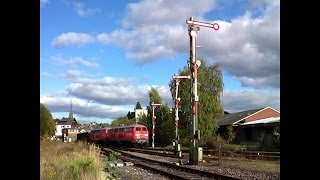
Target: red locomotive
[(99, 136), (136, 135), (129, 135)]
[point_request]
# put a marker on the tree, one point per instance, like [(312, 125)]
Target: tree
[(138, 106), (122, 120), (210, 86), (164, 123), (276, 136), (47, 124), (231, 134), (143, 120), (130, 115)]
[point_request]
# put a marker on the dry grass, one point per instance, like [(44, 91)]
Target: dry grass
[(249, 164), (257, 165), (74, 161)]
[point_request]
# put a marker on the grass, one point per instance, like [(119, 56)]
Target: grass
[(256, 165), (72, 161)]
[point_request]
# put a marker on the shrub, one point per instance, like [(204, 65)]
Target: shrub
[(234, 147), (47, 124), (231, 134), (59, 160), (276, 136), (82, 165)]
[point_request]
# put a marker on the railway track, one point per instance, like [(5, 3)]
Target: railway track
[(168, 169), (247, 154)]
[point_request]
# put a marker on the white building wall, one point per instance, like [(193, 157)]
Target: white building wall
[(140, 112), (59, 129)]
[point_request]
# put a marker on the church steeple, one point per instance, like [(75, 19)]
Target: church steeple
[(71, 112)]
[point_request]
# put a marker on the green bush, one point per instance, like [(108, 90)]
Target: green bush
[(210, 144), (231, 134), (261, 141), (250, 146), (82, 165), (234, 147), (47, 124), (276, 136)]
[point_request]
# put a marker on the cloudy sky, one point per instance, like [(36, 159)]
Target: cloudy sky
[(105, 55)]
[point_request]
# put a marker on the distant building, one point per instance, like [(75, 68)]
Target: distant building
[(251, 124), (67, 127), (139, 113)]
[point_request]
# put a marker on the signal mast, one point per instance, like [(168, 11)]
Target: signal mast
[(177, 80), (153, 106), (193, 28)]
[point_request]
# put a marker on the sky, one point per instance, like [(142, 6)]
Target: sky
[(104, 56)]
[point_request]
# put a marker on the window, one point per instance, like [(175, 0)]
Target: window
[(138, 128), (144, 129)]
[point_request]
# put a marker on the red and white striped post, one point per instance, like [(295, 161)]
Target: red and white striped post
[(153, 106), (177, 100), (193, 29)]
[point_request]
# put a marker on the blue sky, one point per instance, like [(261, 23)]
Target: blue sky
[(104, 55)]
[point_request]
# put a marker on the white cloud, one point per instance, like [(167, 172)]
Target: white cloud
[(164, 12), (82, 10), (114, 91), (101, 98), (72, 39), (157, 28), (109, 97), (74, 62), (247, 47), (71, 74), (241, 100), (80, 61), (112, 94), (114, 97), (82, 108)]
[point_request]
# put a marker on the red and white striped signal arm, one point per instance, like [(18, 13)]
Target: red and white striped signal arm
[(214, 26)]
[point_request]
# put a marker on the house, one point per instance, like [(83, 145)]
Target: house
[(67, 127), (250, 125), (139, 113)]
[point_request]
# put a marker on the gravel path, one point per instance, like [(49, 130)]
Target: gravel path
[(136, 173)]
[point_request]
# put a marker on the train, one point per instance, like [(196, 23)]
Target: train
[(126, 135), (99, 136)]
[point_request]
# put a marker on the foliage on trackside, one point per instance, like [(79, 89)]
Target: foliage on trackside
[(74, 161)]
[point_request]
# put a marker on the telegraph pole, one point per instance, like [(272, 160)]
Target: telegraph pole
[(153, 105), (177, 100), (193, 29)]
